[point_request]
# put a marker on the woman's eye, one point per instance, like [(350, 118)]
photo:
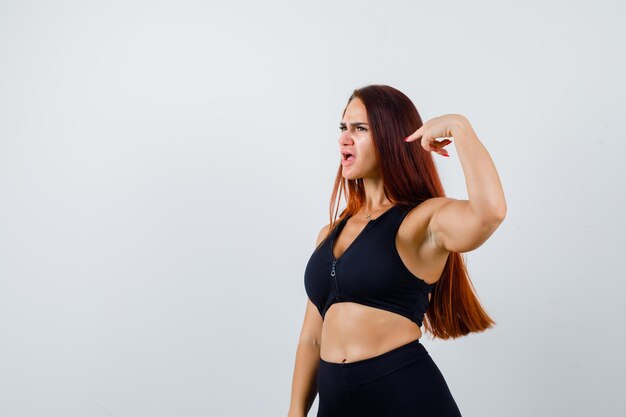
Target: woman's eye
[(358, 127)]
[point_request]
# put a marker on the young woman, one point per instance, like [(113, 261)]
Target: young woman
[(391, 260)]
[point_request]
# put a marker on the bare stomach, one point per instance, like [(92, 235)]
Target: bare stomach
[(353, 332)]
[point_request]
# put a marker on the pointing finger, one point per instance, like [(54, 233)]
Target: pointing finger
[(415, 135)]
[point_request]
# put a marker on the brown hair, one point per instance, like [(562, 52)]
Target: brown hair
[(410, 177)]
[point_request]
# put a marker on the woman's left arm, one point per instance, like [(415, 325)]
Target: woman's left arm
[(464, 225)]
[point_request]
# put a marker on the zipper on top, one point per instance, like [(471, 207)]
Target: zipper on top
[(333, 274)]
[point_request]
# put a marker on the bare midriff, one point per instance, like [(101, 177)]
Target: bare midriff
[(353, 332)]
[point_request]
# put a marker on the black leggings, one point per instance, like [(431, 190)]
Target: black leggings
[(402, 382)]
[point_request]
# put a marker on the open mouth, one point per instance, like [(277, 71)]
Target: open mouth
[(347, 156)]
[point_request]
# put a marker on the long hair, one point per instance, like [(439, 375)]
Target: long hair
[(410, 177)]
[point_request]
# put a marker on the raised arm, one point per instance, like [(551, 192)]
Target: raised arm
[(464, 225)]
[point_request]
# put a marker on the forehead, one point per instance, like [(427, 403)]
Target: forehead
[(355, 111)]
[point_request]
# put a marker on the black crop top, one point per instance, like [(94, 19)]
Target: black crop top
[(370, 271)]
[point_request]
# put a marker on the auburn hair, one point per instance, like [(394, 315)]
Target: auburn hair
[(410, 177)]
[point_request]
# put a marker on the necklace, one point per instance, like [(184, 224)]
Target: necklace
[(369, 217)]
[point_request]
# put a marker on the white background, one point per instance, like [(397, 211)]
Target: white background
[(165, 168)]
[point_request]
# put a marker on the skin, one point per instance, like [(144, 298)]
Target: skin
[(429, 232), (352, 331)]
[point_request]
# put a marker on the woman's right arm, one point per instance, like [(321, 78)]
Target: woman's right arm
[(304, 383)]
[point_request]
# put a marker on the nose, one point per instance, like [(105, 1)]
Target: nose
[(345, 138)]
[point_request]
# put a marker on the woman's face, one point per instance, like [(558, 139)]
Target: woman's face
[(356, 139)]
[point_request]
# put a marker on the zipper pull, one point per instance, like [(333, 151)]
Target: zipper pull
[(332, 274)]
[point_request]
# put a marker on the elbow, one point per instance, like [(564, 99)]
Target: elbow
[(311, 340), (494, 219), (496, 214), (500, 214), (315, 341), (492, 213)]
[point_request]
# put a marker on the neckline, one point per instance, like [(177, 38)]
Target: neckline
[(358, 236)]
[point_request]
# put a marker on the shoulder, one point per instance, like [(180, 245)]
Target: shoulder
[(322, 234)]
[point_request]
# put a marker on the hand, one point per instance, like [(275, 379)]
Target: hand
[(438, 127)]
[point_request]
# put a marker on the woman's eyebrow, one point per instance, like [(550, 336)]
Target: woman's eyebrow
[(352, 124)]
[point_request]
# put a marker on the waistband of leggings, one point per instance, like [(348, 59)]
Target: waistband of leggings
[(370, 369)]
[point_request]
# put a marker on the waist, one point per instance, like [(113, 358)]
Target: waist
[(353, 332), (375, 367)]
